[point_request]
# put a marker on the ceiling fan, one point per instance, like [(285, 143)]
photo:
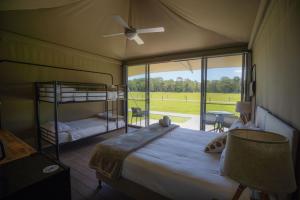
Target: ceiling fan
[(133, 33)]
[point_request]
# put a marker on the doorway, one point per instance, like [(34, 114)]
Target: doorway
[(198, 94)]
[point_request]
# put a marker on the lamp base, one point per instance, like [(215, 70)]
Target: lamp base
[(264, 196), (240, 190)]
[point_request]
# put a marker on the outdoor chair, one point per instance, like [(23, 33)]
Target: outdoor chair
[(137, 113)]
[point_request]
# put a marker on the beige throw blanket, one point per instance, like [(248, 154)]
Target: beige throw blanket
[(109, 155)]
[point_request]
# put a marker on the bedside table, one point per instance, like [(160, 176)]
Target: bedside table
[(15, 148), (24, 179)]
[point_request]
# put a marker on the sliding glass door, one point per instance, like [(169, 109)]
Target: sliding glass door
[(175, 91), (137, 95), (198, 94), (223, 83)]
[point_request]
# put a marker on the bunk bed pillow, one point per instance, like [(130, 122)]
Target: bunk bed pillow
[(104, 114), (110, 116), (112, 95), (50, 126)]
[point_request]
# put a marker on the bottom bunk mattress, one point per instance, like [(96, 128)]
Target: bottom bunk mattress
[(177, 167), (91, 126), (79, 129)]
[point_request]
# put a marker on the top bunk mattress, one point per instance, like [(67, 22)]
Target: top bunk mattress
[(177, 167), (80, 96), (78, 93)]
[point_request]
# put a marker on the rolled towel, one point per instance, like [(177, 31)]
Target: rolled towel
[(167, 120), (161, 122)]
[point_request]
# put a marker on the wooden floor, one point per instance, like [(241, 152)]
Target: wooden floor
[(83, 181)]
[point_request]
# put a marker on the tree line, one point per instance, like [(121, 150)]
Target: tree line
[(224, 85)]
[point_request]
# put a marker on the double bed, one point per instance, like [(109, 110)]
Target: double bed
[(175, 165)]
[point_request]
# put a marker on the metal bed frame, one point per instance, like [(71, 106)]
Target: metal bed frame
[(53, 92), (75, 69)]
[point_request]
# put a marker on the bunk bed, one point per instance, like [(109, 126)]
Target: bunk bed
[(56, 133)]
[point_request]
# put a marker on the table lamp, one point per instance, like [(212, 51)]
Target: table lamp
[(259, 160), (0, 114), (244, 108)]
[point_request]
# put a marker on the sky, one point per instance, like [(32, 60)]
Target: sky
[(212, 74)]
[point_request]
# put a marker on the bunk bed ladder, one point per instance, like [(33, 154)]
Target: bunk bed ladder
[(56, 120), (37, 116), (106, 110)]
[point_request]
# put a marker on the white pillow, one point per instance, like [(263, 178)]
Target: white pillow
[(251, 125), (237, 124), (222, 158), (62, 127), (103, 115), (217, 145)]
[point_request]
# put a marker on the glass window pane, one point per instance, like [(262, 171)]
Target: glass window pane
[(223, 90), (175, 91), (136, 95)]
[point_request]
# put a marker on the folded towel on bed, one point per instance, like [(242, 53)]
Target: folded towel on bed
[(165, 121), (109, 155)]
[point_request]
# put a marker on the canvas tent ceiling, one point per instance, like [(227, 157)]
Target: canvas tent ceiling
[(189, 24)]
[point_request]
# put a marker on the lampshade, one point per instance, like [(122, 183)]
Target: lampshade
[(0, 113), (260, 160), (243, 107)]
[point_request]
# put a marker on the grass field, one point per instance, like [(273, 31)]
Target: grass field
[(224, 97), (186, 103)]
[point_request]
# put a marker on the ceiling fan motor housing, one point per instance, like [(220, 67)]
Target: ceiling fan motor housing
[(130, 33)]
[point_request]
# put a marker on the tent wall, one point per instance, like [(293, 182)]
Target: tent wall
[(276, 55), (16, 80)]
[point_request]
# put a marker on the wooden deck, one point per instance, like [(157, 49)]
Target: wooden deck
[(83, 180)]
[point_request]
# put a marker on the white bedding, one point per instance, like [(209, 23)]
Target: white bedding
[(176, 166), (84, 128), (70, 96), (91, 126)]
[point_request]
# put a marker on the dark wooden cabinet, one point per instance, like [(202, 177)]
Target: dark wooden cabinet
[(25, 179)]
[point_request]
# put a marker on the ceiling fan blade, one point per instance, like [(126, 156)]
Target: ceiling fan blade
[(121, 21), (112, 35), (138, 40), (151, 30)]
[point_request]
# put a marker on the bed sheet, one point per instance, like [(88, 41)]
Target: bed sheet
[(177, 167)]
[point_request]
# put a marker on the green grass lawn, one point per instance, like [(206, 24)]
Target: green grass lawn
[(187, 103), (224, 97)]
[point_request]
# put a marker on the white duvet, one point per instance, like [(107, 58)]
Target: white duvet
[(176, 166), (81, 128), (91, 126)]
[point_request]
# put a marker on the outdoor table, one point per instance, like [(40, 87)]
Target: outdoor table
[(220, 118)]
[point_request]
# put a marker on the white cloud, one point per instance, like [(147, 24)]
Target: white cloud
[(238, 71)]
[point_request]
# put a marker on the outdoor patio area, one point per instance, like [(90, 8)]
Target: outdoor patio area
[(191, 122)]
